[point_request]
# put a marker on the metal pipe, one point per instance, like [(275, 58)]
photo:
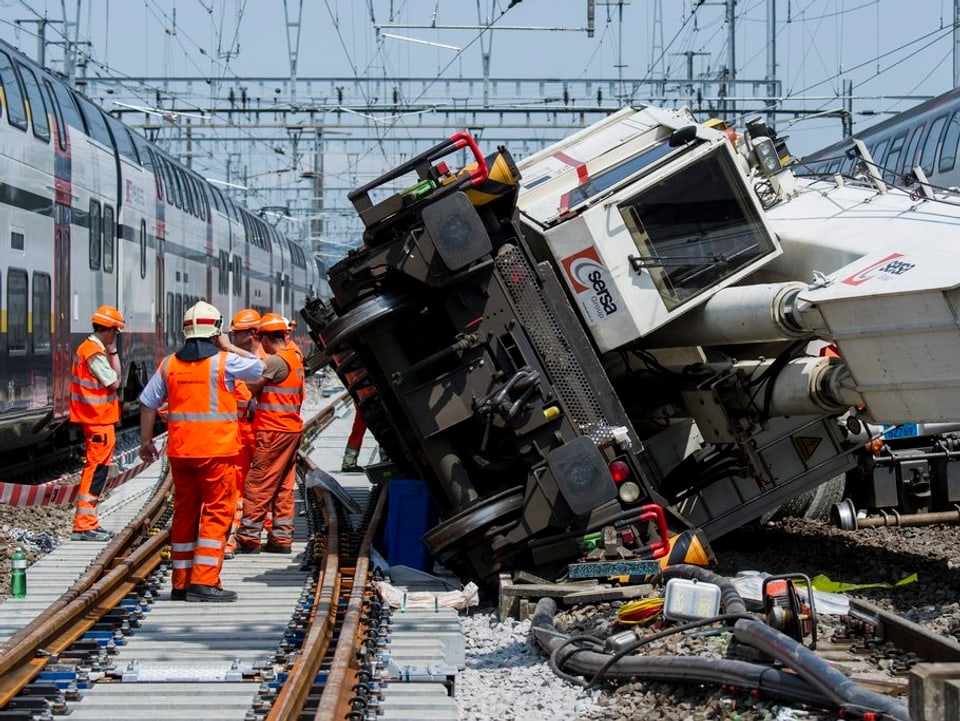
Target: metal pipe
[(887, 518)]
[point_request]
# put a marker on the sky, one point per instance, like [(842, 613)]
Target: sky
[(894, 53)]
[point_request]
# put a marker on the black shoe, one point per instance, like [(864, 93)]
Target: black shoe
[(227, 555), (271, 548), (212, 594), (97, 534), (178, 594), (247, 549), (112, 534), (351, 468)]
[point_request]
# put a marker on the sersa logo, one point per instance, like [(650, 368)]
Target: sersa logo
[(889, 266), (588, 274)]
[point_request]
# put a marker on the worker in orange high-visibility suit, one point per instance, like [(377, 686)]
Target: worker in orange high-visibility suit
[(278, 426), (197, 383), (243, 332), (355, 376), (94, 380)]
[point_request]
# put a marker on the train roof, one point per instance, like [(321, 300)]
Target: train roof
[(909, 117)]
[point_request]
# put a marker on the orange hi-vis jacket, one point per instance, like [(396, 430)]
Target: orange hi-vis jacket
[(278, 405), (243, 396), (91, 402), (202, 420)]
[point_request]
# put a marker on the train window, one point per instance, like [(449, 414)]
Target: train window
[(96, 123), (13, 93), (907, 159), (203, 190), (16, 241), (892, 161), (877, 152), (237, 275), (109, 238), (157, 173), (16, 311), (181, 179), (143, 249), (171, 310), (178, 196), (222, 275), (948, 148), (68, 106), (40, 316), (36, 103), (143, 150), (197, 195), (96, 234), (121, 139), (930, 143), (57, 115)]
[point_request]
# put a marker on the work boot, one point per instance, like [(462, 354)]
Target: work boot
[(349, 464), (210, 594), (247, 549), (178, 594), (97, 534)]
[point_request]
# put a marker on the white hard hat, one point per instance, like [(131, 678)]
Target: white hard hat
[(202, 320)]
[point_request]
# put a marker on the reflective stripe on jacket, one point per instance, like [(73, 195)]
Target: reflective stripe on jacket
[(278, 405), (202, 420), (91, 402)]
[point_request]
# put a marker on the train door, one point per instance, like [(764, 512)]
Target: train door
[(62, 350)]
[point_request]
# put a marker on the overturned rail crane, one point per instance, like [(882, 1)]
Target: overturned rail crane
[(652, 310)]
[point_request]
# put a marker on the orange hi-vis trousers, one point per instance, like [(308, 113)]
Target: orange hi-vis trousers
[(269, 488), (100, 442), (248, 441), (203, 491)]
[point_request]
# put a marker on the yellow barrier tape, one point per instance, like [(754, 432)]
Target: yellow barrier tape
[(822, 583)]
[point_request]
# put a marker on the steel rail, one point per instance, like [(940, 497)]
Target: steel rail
[(906, 634), (23, 662), (336, 694), (293, 696), (125, 562)]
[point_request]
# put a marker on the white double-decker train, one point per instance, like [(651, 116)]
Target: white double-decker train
[(90, 214)]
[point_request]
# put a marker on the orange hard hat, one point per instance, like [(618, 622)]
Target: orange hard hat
[(108, 317), (272, 323), (246, 319)]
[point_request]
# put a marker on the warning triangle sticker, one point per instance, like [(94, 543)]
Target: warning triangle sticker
[(806, 445)]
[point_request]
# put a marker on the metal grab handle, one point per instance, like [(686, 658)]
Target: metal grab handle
[(422, 163), (653, 512), (480, 173)]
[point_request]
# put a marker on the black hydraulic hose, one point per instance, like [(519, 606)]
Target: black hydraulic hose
[(817, 672), (690, 669), (815, 682)]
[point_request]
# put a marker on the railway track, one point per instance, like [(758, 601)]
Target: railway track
[(98, 636), (114, 645)]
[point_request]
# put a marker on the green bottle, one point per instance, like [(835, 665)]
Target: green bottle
[(18, 585)]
